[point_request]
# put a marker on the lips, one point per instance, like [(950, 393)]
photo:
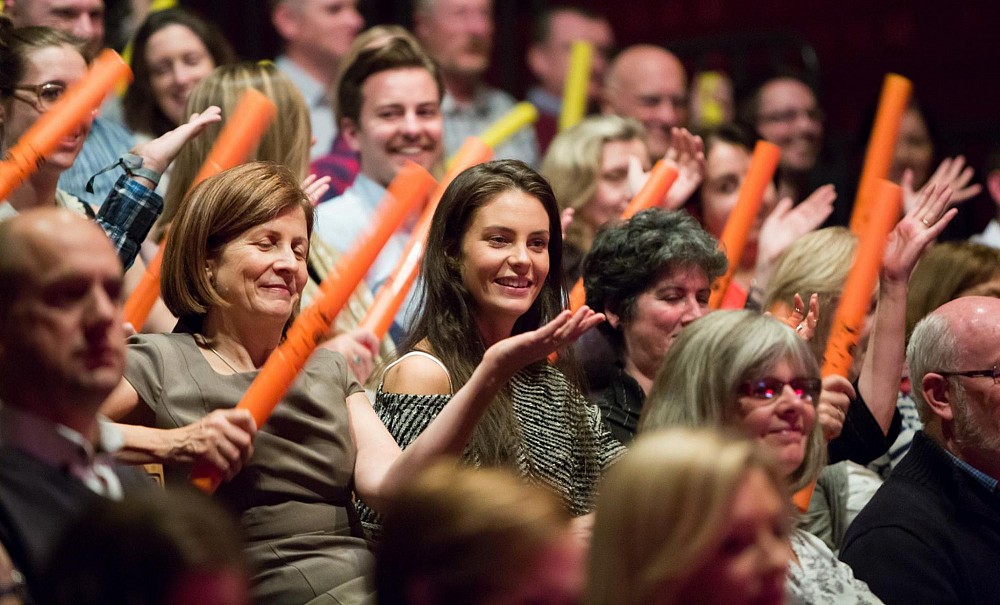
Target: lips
[(786, 433), (514, 282)]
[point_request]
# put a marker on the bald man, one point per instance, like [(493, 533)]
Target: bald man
[(649, 84), (932, 532), (62, 352)]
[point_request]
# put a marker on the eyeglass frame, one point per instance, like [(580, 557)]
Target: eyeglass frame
[(815, 386), (993, 373), (38, 103)]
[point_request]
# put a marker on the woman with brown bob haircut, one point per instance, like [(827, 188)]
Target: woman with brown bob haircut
[(234, 270)]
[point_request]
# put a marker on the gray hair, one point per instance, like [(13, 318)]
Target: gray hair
[(698, 383), (933, 348)]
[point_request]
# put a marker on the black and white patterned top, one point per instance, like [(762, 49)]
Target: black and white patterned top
[(564, 444)]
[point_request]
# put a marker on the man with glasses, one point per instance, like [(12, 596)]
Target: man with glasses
[(932, 532), (785, 111)]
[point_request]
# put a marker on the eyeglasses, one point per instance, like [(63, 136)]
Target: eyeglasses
[(771, 388), (993, 373), (46, 94), (790, 115)]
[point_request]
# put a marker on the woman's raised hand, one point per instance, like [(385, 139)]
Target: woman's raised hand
[(515, 352), (314, 187), (915, 231), (952, 172), (160, 152)]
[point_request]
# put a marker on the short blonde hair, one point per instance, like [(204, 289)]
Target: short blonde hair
[(662, 508), (698, 383), (218, 211), (817, 262), (464, 533), (286, 141), (572, 165)]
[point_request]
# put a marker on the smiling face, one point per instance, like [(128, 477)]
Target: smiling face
[(790, 117), (261, 273), (400, 120), (749, 565), (177, 60), (613, 191), (505, 259), (783, 423), (52, 64)]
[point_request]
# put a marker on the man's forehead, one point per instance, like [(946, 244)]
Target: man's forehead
[(66, 6), (52, 242)]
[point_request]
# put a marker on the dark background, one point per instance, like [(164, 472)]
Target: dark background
[(950, 52)]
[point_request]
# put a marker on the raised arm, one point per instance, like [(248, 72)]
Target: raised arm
[(883, 364), (380, 466), (132, 207)]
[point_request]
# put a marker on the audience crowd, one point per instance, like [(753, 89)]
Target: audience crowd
[(498, 444)]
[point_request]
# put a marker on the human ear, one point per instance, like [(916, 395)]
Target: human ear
[(349, 128), (938, 395), (614, 320)]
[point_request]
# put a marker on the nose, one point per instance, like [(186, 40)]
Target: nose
[(102, 310), (775, 553), (666, 113), (285, 260), (356, 21), (479, 24), (693, 311), (182, 74), (85, 27), (519, 259), (411, 123)]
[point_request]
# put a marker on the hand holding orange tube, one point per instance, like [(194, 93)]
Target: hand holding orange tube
[(861, 280), (409, 188), (881, 146), (76, 106), (236, 142), (734, 236)]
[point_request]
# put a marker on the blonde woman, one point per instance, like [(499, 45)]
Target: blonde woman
[(753, 373), (691, 516), (588, 168), (471, 536)]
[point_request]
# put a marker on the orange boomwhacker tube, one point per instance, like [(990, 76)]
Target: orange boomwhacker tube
[(892, 105), (856, 298), (734, 237), (661, 179), (76, 106), (407, 190), (392, 294), (236, 142), (250, 119)]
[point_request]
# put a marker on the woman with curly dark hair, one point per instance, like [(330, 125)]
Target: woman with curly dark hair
[(651, 275)]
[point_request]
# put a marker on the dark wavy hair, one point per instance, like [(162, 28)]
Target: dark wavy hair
[(627, 257), (141, 112), (447, 311)]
